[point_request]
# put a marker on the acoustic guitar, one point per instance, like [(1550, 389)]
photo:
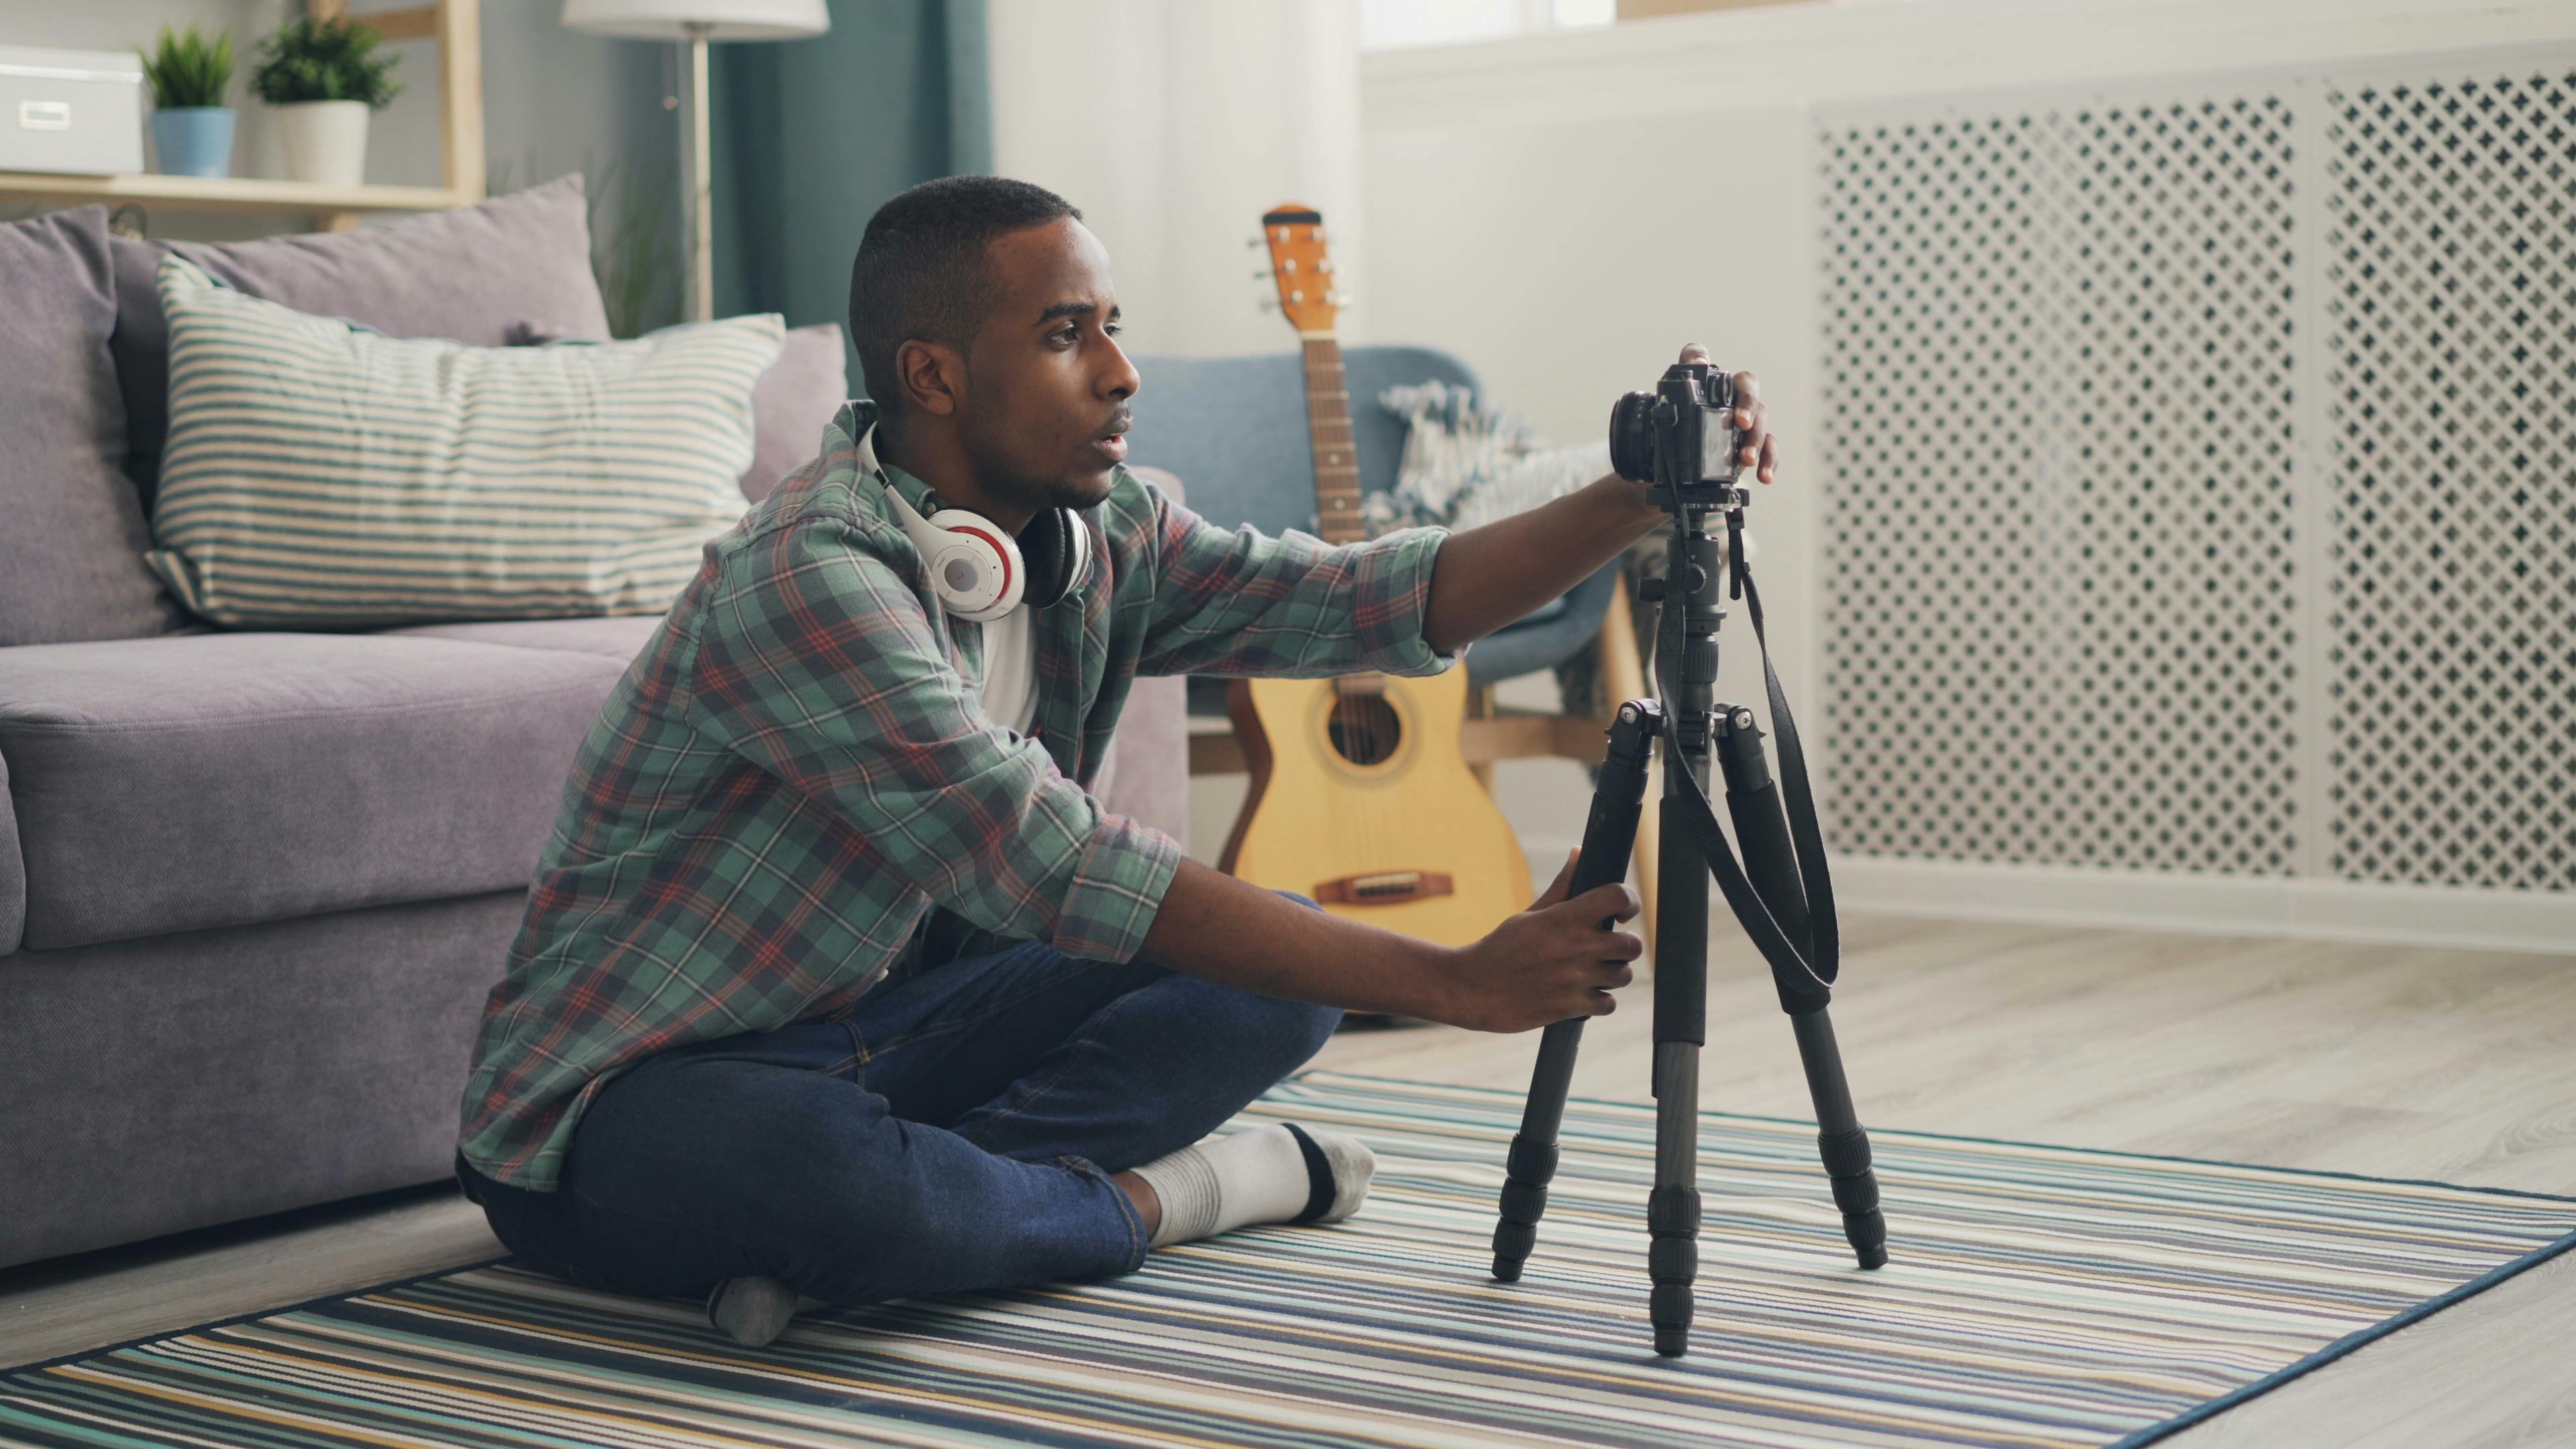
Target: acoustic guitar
[(1361, 797)]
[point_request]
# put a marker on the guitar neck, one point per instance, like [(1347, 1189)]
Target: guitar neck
[(1328, 428)]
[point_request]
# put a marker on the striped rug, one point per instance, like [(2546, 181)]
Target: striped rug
[(2038, 1296)]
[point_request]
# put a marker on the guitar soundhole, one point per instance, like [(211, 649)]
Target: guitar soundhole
[(1365, 728)]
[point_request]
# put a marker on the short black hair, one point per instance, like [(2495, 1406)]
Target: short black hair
[(922, 271)]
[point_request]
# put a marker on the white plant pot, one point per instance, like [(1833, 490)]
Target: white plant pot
[(326, 141)]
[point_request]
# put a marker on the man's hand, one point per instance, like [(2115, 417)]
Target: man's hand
[(1750, 416), (1550, 963)]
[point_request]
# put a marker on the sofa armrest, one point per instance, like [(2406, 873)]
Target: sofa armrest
[(1147, 774), (13, 867)]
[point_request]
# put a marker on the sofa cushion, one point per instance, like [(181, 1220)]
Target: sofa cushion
[(616, 636), (322, 475), (790, 405), (796, 398), (1146, 775), (217, 779), (71, 550), (468, 275)]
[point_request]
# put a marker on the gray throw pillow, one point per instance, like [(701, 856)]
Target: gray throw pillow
[(72, 532), (467, 275), (790, 405)]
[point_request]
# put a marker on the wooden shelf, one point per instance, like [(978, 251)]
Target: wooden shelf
[(456, 26), (227, 193)]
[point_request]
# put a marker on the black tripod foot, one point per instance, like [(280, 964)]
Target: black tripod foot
[(1672, 1261), (1846, 1155), (1524, 1198)]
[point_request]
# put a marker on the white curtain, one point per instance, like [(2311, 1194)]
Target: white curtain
[(1174, 124)]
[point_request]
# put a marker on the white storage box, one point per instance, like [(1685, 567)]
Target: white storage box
[(71, 110)]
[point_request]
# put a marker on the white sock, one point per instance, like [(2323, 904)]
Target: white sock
[(1280, 1173), (753, 1311)]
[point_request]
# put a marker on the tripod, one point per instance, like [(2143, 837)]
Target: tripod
[(1786, 907)]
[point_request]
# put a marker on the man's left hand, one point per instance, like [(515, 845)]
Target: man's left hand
[(1751, 418)]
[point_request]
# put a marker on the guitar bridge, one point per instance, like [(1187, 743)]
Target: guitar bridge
[(1383, 888)]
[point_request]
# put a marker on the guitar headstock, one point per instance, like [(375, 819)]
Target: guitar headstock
[(1302, 268)]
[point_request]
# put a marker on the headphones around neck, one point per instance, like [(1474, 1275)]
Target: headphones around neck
[(981, 573)]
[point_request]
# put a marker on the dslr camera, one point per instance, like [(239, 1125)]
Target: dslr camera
[(1681, 436)]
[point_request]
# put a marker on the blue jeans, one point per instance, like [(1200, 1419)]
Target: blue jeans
[(954, 1132)]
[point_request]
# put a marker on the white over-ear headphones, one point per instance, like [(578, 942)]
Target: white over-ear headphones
[(981, 573)]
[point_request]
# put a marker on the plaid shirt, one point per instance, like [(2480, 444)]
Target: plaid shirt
[(796, 769)]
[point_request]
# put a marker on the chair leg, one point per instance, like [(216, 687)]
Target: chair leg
[(1623, 678), (1480, 705)]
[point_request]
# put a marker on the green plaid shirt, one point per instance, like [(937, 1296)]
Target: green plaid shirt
[(796, 770)]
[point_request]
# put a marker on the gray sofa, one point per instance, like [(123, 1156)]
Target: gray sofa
[(255, 885)]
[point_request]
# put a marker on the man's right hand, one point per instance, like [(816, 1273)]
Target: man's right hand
[(1546, 964), (1550, 963)]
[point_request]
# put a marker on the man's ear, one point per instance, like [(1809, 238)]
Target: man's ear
[(932, 376)]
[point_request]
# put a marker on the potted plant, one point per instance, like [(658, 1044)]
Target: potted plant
[(192, 128), (324, 78)]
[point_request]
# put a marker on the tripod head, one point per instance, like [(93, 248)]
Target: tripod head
[(1681, 440)]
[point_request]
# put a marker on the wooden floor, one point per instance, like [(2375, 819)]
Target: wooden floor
[(2395, 1061)]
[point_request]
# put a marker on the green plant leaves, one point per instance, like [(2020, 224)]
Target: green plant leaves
[(324, 60), (186, 69)]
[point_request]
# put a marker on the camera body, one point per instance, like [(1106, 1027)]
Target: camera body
[(1682, 435)]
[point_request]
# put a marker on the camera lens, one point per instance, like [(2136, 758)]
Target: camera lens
[(1632, 437)]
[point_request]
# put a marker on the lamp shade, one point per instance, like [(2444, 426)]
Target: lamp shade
[(724, 19)]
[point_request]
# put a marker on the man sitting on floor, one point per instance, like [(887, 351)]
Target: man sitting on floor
[(833, 982)]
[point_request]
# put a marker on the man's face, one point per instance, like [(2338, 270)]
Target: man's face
[(1045, 412)]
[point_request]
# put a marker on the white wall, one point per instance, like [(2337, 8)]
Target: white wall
[(1564, 210)]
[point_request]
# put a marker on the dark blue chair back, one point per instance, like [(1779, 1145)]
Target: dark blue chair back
[(1234, 428)]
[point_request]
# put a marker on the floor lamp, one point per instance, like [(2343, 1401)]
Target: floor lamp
[(696, 23)]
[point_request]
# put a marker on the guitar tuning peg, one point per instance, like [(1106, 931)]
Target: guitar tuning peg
[(1263, 276), (1340, 299), (1252, 241), (1269, 304)]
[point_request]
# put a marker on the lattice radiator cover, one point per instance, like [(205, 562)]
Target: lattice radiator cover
[(2200, 476)]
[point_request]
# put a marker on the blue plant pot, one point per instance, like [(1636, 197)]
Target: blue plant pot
[(194, 140)]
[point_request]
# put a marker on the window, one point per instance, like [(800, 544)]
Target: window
[(1397, 24)]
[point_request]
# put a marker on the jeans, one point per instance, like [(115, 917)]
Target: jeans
[(956, 1131)]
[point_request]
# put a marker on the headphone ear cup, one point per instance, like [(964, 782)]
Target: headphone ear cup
[(1078, 565), (1057, 551), (975, 568)]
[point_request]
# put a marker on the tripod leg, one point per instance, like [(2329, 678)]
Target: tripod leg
[(1840, 1138), (1681, 1012), (1532, 1164), (1616, 800), (1770, 863)]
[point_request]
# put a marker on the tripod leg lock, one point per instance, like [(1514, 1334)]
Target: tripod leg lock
[(1530, 1167), (1846, 1158), (1532, 1162)]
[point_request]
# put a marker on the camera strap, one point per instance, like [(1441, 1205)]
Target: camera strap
[(1801, 968)]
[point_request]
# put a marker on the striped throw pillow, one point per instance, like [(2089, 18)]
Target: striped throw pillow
[(322, 475)]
